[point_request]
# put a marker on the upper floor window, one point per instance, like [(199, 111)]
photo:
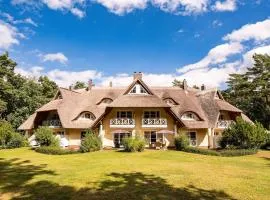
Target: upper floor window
[(190, 116), (151, 114), (170, 101), (87, 115), (138, 89), (124, 114)]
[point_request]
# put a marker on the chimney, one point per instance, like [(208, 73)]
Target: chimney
[(90, 84), (110, 84), (203, 87), (185, 86), (137, 75)]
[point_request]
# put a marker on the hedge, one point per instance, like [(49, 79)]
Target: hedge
[(224, 153), (54, 150)]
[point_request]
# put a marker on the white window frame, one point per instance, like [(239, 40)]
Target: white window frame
[(193, 117), (157, 114), (119, 114), (138, 89), (83, 116)]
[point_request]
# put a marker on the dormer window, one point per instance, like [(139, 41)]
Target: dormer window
[(105, 101), (138, 89), (87, 116), (170, 102), (190, 116)]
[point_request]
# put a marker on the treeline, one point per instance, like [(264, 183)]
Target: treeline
[(250, 91), (21, 96)]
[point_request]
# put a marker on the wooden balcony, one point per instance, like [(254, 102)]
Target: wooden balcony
[(53, 123), (122, 123), (154, 123), (224, 123)]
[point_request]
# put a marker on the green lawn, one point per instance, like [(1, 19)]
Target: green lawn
[(25, 174)]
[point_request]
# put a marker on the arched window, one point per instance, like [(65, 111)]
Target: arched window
[(87, 116), (190, 116), (170, 101)]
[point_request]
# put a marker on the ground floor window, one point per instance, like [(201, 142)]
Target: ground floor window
[(61, 134), (192, 136), (152, 137), (118, 138)]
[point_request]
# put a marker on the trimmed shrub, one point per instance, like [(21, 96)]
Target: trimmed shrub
[(9, 138), (6, 132), (181, 142), (134, 144), (91, 142), (224, 153), (244, 135), (45, 137), (16, 141), (52, 150)]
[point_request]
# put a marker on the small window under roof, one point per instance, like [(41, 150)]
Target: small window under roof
[(190, 116), (105, 101), (138, 89), (87, 116), (170, 101)]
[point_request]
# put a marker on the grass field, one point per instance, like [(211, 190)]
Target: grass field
[(25, 174)]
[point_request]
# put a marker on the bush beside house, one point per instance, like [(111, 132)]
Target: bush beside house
[(244, 135), (9, 138), (91, 142), (134, 144)]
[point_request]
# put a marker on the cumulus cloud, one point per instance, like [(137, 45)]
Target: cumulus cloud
[(32, 72), (9, 35), (259, 31), (226, 5), (216, 55), (59, 57)]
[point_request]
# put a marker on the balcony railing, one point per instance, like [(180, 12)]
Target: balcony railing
[(52, 123), (122, 123), (154, 123), (224, 123)]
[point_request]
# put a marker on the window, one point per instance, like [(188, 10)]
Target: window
[(83, 134), (192, 138), (87, 115), (151, 114), (190, 116), (150, 136), (138, 89), (170, 102), (105, 101), (221, 117), (124, 114), (118, 139), (61, 134)]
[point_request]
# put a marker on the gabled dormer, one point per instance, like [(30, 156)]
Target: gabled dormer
[(138, 87)]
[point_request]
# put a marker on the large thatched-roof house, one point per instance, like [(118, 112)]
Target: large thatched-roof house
[(156, 113)]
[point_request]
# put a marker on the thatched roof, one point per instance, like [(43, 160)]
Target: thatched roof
[(74, 102)]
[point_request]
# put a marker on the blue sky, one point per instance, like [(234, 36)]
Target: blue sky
[(200, 40)]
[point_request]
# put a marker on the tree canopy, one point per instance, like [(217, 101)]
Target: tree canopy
[(250, 91), (21, 96)]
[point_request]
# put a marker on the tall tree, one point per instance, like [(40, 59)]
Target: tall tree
[(251, 91), (80, 85), (20, 96)]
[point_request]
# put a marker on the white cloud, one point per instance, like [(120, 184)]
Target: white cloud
[(60, 57), (66, 78), (79, 13), (184, 7), (217, 23), (9, 35), (217, 55), (121, 7), (25, 21), (259, 31), (226, 5), (32, 72)]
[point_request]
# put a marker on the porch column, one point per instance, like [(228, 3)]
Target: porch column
[(101, 133), (210, 138), (133, 133), (175, 130)]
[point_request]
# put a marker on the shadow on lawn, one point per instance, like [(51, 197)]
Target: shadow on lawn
[(15, 175)]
